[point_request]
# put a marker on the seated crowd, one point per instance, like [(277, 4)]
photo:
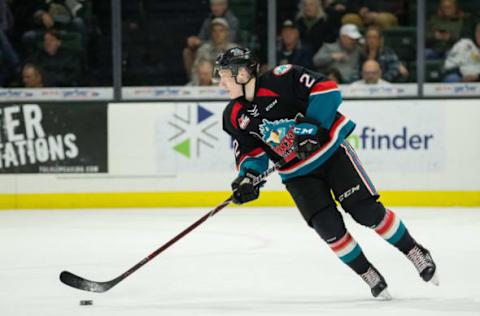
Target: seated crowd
[(48, 43), (343, 38), (50, 39)]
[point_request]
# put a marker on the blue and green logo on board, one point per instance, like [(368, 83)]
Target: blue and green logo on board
[(192, 131)]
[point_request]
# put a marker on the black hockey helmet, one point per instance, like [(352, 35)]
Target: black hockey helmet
[(233, 59)]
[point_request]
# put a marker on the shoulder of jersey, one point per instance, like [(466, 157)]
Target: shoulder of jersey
[(228, 109), (231, 113), (282, 70)]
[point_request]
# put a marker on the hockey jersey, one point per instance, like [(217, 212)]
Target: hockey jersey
[(262, 130)]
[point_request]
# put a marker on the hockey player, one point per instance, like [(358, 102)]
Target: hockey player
[(290, 113)]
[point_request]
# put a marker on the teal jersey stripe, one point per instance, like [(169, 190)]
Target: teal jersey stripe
[(398, 234), (352, 255), (323, 107)]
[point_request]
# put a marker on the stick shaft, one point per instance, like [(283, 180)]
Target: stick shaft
[(182, 234), (187, 230), (83, 284)]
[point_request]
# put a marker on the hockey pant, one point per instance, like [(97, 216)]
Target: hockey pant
[(344, 176)]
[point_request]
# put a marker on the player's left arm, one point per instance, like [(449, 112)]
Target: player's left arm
[(322, 98)]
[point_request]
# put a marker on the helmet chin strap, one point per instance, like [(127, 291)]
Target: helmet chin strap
[(244, 84)]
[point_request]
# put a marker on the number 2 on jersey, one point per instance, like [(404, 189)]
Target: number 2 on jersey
[(307, 80)]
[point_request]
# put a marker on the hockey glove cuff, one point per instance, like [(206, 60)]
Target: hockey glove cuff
[(244, 189), (309, 136)]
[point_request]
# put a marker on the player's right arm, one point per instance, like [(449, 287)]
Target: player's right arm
[(250, 158), (249, 153)]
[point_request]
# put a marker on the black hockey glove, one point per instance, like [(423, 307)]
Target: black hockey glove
[(309, 136), (243, 189)]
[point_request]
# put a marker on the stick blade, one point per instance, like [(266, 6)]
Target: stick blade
[(80, 283)]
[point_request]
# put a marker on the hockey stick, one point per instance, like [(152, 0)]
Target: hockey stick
[(80, 283)]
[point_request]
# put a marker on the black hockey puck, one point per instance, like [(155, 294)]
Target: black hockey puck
[(86, 302)]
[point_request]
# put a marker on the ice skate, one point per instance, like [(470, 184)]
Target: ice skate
[(377, 283), (424, 264)]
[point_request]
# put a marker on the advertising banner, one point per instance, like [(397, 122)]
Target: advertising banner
[(57, 94), (399, 136), (53, 138), (198, 140), (169, 138)]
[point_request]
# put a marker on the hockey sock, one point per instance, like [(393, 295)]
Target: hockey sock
[(392, 229), (348, 250)]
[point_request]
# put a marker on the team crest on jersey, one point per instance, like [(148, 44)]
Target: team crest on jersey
[(278, 135), (282, 69), (243, 121)]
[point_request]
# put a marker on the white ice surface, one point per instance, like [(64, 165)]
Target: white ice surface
[(243, 261)]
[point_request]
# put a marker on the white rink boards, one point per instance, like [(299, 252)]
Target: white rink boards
[(243, 261)]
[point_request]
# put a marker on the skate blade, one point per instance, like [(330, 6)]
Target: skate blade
[(385, 295), (434, 280)]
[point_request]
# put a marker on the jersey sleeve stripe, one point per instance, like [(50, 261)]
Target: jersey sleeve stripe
[(263, 92), (258, 163), (323, 106), (233, 116), (324, 86), (324, 91), (256, 153)]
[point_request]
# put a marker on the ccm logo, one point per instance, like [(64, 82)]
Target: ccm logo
[(303, 131), (349, 192)]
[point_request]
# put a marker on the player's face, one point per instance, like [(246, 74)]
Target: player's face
[(227, 82)]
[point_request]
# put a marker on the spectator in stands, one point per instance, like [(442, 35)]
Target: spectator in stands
[(219, 9), (60, 67), (291, 50), (203, 75), (463, 60), (6, 18), (371, 75), (218, 43), (343, 55), (333, 74), (443, 29), (9, 61), (315, 26), (392, 68), (382, 13), (32, 76), (61, 15)]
